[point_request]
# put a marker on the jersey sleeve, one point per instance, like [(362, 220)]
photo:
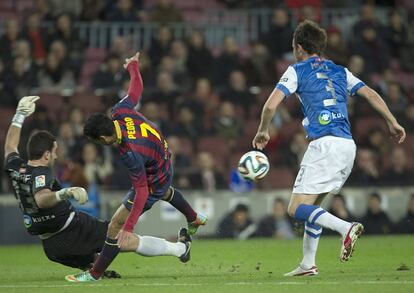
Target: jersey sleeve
[(13, 162), (353, 84), (136, 86), (288, 83), (137, 173), (42, 179)]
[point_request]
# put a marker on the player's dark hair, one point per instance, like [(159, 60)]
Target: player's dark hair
[(39, 142), (98, 124), (310, 36)]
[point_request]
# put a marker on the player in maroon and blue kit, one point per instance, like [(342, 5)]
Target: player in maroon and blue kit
[(145, 153)]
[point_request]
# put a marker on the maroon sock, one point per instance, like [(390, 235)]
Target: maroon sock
[(109, 251), (178, 201)]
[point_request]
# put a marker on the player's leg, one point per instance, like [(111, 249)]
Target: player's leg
[(177, 200)]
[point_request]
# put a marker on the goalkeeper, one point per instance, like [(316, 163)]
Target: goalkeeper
[(68, 237)]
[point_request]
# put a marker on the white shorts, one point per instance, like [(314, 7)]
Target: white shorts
[(325, 166)]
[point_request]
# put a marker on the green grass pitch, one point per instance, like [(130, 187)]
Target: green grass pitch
[(380, 264)]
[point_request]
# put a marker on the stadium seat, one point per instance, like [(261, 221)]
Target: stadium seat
[(88, 102), (216, 145), (6, 115), (53, 103), (364, 125)]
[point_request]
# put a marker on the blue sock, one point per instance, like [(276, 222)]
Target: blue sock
[(308, 213)]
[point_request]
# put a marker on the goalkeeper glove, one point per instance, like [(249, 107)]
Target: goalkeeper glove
[(77, 193), (25, 108)]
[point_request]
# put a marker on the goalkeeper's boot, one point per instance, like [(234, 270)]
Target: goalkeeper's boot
[(80, 277), (300, 272), (193, 226), (349, 240), (184, 237)]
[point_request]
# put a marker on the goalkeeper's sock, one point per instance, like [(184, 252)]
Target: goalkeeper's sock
[(317, 215), (152, 246), (310, 245), (178, 201), (109, 251)]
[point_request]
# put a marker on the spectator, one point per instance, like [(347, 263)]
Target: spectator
[(96, 169), (406, 56), (207, 177), (338, 208), (165, 11), (200, 60), (367, 19), (227, 62), (297, 149), (160, 46), (356, 65), (179, 55), (37, 38), (398, 174), (153, 112), (21, 78), (377, 141), (73, 144), (110, 75), (181, 162), (54, 77), (187, 124), (70, 37), (396, 99), (121, 47), (373, 50), (122, 11), (366, 172), (68, 173), (336, 48), (409, 118), (278, 224), (92, 10), (376, 220), (406, 225), (237, 91), (77, 120), (227, 124), (260, 66), (73, 7), (42, 8), (8, 41), (167, 92), (396, 33), (237, 224), (278, 39)]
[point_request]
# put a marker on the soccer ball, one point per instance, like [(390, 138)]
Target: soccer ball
[(253, 165)]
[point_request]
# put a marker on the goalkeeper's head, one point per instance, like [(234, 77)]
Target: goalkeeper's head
[(100, 128)]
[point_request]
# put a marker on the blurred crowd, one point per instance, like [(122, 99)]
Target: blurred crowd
[(238, 223), (206, 101)]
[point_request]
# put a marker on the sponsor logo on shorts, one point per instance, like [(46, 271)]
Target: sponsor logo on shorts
[(40, 181)]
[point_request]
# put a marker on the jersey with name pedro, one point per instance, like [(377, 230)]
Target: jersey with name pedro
[(322, 88), (142, 147)]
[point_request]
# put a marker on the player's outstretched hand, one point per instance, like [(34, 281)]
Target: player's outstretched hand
[(129, 60), (125, 238), (260, 140), (27, 105), (77, 193), (397, 131)]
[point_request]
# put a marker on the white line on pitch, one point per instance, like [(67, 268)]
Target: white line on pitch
[(204, 284)]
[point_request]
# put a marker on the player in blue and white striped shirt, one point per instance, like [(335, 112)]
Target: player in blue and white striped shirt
[(323, 89)]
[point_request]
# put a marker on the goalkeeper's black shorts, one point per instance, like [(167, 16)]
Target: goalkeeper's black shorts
[(78, 244)]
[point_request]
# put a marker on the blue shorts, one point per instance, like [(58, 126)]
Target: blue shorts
[(128, 200)]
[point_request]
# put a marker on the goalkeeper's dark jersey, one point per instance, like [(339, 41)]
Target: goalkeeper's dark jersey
[(26, 181)]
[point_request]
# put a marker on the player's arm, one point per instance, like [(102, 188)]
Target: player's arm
[(262, 137), (139, 182), (287, 85), (381, 107), (136, 85), (46, 198), (24, 109)]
